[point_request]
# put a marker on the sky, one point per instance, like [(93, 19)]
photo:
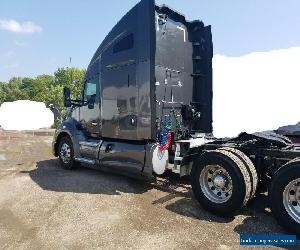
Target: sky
[(37, 37)]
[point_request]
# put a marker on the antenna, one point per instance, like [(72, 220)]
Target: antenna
[(71, 73)]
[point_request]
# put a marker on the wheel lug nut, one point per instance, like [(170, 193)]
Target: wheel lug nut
[(294, 203)]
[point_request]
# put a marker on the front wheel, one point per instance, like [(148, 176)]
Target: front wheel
[(221, 182), (284, 196), (66, 153)]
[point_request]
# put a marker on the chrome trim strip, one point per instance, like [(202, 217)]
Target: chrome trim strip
[(84, 160), (89, 144)]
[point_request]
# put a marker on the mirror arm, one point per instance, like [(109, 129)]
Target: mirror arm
[(76, 101)]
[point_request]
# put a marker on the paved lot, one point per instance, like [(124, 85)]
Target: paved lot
[(45, 207)]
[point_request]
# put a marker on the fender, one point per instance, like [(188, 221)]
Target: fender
[(71, 128)]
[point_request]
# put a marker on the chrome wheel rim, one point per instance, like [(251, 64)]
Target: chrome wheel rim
[(291, 199), (65, 153), (216, 183)]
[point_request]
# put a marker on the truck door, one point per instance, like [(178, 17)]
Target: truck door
[(90, 111)]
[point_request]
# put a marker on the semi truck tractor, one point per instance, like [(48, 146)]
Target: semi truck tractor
[(146, 107)]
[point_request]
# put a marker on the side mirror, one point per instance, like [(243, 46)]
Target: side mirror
[(91, 102), (67, 97)]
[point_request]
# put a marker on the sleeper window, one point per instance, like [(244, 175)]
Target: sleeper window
[(125, 43)]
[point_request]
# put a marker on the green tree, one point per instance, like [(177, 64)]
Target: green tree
[(72, 78), (44, 88), (37, 88), (13, 90), (2, 92)]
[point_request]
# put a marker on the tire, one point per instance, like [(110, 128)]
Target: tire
[(66, 153), (249, 166), (208, 187), (284, 195)]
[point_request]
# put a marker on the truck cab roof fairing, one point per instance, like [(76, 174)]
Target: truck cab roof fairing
[(131, 60), (125, 62), (139, 18)]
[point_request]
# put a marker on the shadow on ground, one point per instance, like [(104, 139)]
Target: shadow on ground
[(257, 218), (179, 198), (50, 176)]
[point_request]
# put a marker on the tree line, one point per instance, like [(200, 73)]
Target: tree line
[(44, 88)]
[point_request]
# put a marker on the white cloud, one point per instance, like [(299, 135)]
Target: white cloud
[(19, 27), (20, 43), (256, 92)]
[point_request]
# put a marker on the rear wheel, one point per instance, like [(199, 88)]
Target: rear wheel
[(285, 196), (221, 182), (249, 166), (66, 153)]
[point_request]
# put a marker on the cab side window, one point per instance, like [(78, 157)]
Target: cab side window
[(90, 90)]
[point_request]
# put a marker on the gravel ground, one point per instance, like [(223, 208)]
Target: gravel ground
[(45, 207)]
